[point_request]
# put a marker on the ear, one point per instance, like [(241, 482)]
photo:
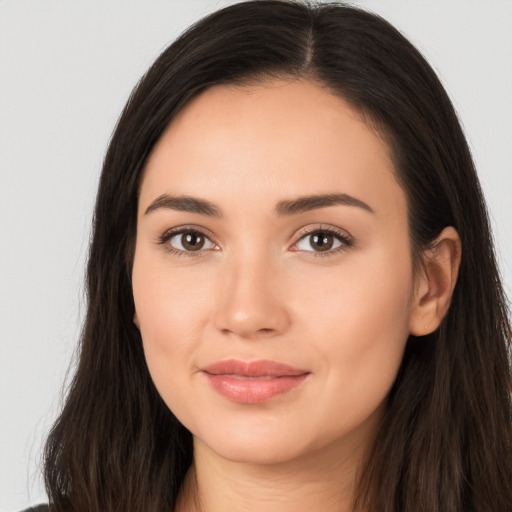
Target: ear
[(435, 283), (136, 320)]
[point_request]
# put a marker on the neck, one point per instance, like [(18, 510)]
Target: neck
[(323, 480)]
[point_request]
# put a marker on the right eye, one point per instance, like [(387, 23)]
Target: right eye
[(187, 241)]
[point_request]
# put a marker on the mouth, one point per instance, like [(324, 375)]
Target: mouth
[(253, 382)]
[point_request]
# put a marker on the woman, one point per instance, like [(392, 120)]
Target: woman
[(293, 297)]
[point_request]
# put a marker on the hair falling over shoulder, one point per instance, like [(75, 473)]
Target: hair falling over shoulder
[(445, 443)]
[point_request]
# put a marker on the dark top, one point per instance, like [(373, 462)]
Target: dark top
[(39, 508)]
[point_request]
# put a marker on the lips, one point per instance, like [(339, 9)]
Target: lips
[(253, 382)]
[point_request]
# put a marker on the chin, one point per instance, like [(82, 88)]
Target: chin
[(263, 443), (258, 452)]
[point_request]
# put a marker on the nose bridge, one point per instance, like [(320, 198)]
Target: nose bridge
[(250, 300)]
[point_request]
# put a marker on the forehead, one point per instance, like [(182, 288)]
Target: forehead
[(268, 142)]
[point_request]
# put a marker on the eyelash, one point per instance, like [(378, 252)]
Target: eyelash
[(346, 241)]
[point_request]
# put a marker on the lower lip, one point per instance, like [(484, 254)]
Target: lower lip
[(253, 390)]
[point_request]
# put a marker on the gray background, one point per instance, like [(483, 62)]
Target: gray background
[(66, 69)]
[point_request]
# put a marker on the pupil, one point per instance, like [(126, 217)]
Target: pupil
[(193, 241), (322, 241)]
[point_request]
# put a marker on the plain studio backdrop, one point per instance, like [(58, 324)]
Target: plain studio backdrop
[(66, 70)]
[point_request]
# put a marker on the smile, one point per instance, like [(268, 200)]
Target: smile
[(253, 382)]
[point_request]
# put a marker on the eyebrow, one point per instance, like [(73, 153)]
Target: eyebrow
[(307, 203), (184, 204), (283, 208)]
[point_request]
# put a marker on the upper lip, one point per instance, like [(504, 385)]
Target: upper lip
[(260, 368)]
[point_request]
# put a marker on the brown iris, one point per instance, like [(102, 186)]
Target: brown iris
[(192, 241), (321, 241)]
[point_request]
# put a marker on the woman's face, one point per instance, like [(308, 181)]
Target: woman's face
[(272, 276)]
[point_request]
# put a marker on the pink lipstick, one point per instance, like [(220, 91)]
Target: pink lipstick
[(253, 382)]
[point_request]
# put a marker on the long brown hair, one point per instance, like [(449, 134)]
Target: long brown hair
[(445, 443)]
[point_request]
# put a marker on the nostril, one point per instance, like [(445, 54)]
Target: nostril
[(245, 308)]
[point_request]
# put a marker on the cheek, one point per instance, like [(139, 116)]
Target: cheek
[(359, 325), (167, 305), (165, 314), (370, 293)]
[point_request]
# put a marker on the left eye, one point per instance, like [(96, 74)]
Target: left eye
[(320, 241), (190, 241)]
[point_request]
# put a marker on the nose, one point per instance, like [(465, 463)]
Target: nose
[(251, 300)]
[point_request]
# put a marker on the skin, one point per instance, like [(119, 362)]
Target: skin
[(258, 289)]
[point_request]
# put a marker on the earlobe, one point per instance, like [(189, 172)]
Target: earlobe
[(435, 284)]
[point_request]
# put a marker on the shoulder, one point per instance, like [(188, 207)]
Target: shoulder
[(39, 508)]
